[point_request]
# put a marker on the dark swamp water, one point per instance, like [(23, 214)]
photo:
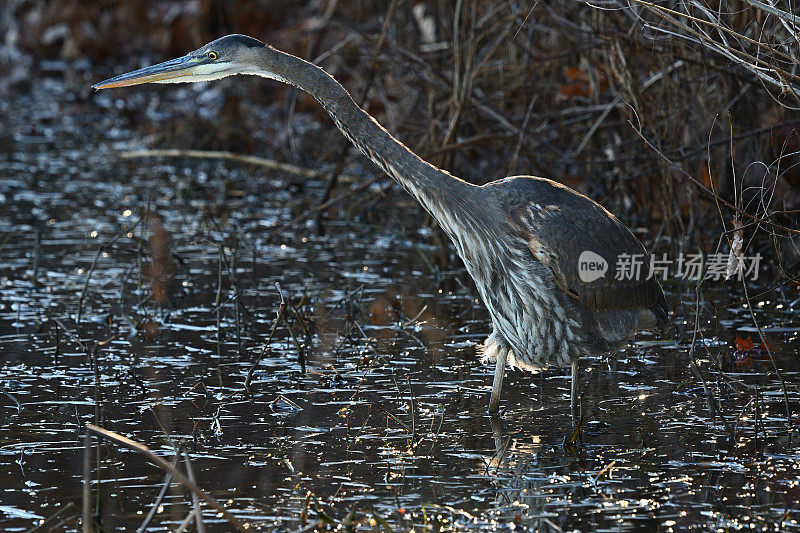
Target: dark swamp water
[(387, 426)]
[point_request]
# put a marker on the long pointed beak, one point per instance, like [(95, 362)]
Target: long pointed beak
[(167, 72)]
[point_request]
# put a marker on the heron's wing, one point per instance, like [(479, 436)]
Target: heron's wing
[(593, 256)]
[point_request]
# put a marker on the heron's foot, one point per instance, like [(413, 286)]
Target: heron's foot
[(574, 438)]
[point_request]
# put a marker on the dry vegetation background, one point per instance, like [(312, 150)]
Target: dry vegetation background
[(561, 89)]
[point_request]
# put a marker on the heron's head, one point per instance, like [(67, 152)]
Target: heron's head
[(229, 55)]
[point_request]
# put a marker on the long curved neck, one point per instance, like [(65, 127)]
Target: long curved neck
[(451, 201)]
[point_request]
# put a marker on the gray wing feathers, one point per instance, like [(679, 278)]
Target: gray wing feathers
[(560, 224)]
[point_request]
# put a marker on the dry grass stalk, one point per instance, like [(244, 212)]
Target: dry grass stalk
[(157, 460)]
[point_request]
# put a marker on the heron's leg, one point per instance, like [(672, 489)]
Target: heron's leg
[(573, 393), (497, 385), (497, 433)]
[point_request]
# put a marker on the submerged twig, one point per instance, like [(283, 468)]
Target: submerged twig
[(157, 460), (100, 251), (186, 521), (87, 488), (48, 522), (13, 399), (278, 318), (161, 493), (696, 368), (198, 513), (769, 352)]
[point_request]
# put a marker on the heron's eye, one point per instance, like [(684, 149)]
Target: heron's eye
[(212, 55)]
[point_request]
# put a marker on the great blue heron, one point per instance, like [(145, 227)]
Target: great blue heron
[(546, 260)]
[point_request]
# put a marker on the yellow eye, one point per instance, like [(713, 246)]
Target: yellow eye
[(212, 55)]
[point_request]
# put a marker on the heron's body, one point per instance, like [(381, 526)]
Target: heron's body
[(541, 311), (520, 237)]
